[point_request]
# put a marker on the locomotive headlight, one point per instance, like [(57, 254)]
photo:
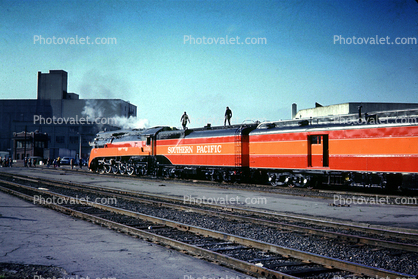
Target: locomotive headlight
[(305, 181), (286, 180)]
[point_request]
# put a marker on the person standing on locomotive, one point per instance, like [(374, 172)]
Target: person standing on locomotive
[(184, 118), (228, 116)]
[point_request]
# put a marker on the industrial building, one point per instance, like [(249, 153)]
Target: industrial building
[(27, 145), (69, 122), (348, 108)]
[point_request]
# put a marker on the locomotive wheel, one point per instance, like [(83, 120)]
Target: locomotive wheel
[(122, 168), (107, 169), (130, 170), (273, 180), (101, 170), (114, 169)]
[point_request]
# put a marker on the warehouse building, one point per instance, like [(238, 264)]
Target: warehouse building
[(68, 121), (349, 108)]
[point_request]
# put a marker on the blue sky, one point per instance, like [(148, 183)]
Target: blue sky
[(152, 67)]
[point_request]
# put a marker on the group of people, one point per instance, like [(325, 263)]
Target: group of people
[(6, 162), (185, 118), (29, 162), (56, 162), (73, 163)]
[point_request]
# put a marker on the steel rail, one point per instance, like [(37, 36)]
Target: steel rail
[(251, 187), (318, 259), (386, 231), (275, 224), (161, 240)]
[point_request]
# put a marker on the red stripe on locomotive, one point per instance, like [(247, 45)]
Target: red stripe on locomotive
[(387, 149)]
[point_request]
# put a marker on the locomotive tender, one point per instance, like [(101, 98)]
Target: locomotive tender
[(379, 150)]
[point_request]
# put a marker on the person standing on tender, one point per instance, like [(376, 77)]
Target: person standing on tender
[(184, 118), (228, 116)]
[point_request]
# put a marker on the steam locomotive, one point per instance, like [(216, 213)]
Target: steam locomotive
[(379, 150)]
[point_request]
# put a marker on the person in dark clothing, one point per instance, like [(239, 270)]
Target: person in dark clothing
[(184, 118), (228, 116)]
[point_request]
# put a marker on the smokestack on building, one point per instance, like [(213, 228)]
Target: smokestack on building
[(294, 110)]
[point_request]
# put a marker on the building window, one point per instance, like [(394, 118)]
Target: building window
[(17, 156), (60, 139), (73, 139), (39, 144), (20, 144)]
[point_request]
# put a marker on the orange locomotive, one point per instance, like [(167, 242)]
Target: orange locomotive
[(212, 152), (369, 152)]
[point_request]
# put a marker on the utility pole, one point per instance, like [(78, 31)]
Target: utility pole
[(24, 143), (79, 152)]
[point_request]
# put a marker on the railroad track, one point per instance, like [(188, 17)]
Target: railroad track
[(247, 255), (391, 198), (285, 221)]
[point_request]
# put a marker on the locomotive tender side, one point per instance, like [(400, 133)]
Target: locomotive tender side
[(212, 152), (366, 155)]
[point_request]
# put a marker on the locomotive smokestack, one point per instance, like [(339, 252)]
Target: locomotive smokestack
[(294, 110)]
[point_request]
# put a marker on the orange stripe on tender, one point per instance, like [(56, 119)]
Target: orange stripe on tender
[(377, 146), (378, 164), (206, 160), (279, 162), (279, 148)]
